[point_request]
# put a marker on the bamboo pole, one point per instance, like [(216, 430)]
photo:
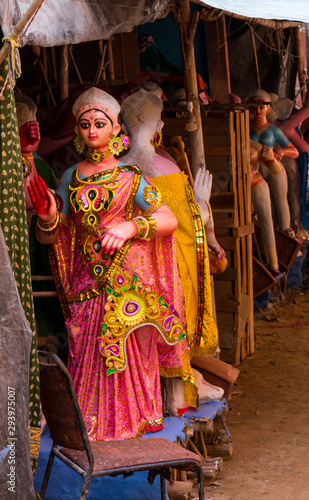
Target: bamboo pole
[(44, 67), (20, 26), (64, 73), (208, 14), (226, 56), (124, 68), (47, 82), (256, 61), (53, 56), (187, 37), (102, 66), (194, 448), (111, 60), (300, 63), (75, 65)]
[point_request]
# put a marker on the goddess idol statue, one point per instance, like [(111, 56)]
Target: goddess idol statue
[(114, 261)]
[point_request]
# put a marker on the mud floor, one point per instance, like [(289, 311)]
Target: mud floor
[(268, 414)]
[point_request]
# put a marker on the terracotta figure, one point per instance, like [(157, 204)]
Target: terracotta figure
[(261, 200), (269, 136)]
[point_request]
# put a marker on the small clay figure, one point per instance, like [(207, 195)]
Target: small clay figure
[(268, 135)]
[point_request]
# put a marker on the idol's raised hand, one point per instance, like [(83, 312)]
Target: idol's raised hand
[(202, 191), (29, 136), (202, 185), (42, 199)]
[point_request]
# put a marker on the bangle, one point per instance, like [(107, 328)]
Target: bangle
[(271, 161), (27, 166), (146, 227), (49, 227)]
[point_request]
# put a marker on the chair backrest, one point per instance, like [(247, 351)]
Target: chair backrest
[(60, 405)]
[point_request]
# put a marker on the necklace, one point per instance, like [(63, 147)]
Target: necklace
[(96, 156)]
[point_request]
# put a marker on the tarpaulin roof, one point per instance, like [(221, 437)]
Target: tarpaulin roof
[(265, 9), (61, 22)]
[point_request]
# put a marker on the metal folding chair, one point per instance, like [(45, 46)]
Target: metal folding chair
[(101, 458)]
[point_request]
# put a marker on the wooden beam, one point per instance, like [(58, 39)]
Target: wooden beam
[(64, 73), (257, 70), (187, 31), (75, 65), (111, 60), (244, 230), (218, 60), (300, 63)]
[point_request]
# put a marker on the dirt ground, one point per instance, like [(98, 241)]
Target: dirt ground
[(268, 414)]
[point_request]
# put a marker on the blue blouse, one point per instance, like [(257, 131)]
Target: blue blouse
[(270, 136), (66, 179)]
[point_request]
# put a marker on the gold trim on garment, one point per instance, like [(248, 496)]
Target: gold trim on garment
[(202, 345)]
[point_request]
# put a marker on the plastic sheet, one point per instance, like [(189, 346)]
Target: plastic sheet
[(75, 21), (16, 479), (264, 9)]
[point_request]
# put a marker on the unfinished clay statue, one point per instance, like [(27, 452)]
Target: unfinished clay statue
[(270, 136), (285, 116), (141, 119), (261, 200), (29, 135)]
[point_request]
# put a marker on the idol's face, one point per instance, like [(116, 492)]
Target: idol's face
[(96, 128), (260, 110)]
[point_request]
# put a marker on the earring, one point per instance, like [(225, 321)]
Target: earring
[(157, 141), (118, 144), (79, 144)]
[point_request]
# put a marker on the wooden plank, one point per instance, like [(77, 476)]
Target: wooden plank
[(218, 450), (223, 288), (237, 263), (250, 295), (222, 202), (245, 143), (232, 163), (227, 242), (246, 155), (226, 223), (227, 337), (242, 334), (228, 355), (230, 274), (217, 151), (217, 59), (216, 141), (229, 210), (227, 305), (241, 204), (244, 230)]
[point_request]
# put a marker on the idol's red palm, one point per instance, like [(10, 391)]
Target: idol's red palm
[(42, 200)]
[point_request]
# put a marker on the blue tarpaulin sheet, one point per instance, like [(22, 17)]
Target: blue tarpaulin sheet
[(65, 484)]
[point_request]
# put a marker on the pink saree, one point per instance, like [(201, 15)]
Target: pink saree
[(126, 403)]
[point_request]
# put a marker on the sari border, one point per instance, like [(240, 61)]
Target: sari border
[(202, 268)]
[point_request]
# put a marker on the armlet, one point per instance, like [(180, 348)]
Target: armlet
[(153, 197)]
